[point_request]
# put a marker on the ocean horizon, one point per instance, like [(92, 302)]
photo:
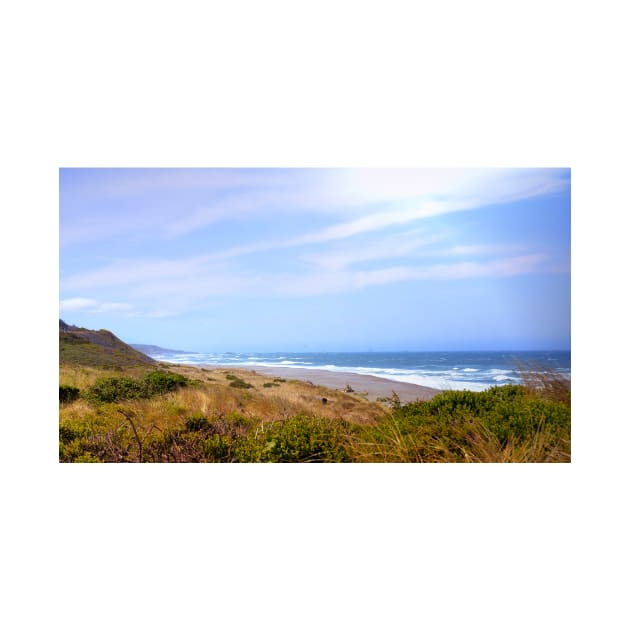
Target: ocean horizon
[(448, 370)]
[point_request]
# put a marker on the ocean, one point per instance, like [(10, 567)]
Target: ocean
[(475, 371)]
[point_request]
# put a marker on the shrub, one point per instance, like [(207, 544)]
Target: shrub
[(67, 433), (160, 382), (241, 384), (271, 384), (197, 422), (90, 440), (446, 427), (115, 388), (68, 394), (520, 420), (217, 448), (87, 458), (297, 439)]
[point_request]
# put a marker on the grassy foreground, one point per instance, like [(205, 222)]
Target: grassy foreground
[(166, 413)]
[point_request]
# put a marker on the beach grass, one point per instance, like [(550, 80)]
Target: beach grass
[(175, 414)]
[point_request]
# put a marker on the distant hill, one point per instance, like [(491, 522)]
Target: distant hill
[(150, 350), (100, 348)]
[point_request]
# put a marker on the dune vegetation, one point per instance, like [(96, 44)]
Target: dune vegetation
[(97, 348), (167, 413)]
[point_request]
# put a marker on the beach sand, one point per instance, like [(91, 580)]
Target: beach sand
[(374, 386)]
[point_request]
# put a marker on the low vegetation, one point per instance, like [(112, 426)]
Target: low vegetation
[(503, 424), (116, 388), (68, 394), (240, 383), (99, 349), (140, 414)]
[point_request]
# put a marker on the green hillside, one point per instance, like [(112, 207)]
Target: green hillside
[(96, 348)]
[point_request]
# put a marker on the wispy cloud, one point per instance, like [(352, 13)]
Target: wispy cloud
[(77, 304), (88, 305), (333, 276), (403, 246), (379, 221), (133, 271), (357, 201), (387, 248), (327, 282), (140, 246), (93, 306), (474, 192)]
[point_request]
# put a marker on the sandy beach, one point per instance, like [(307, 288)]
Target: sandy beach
[(374, 386)]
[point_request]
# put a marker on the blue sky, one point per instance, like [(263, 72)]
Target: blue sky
[(318, 259)]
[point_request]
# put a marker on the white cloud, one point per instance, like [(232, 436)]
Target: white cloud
[(513, 266), (348, 280), (77, 304), (408, 244), (92, 306), (410, 196), (191, 281), (383, 249), (349, 195), (132, 272), (110, 307), (416, 195)]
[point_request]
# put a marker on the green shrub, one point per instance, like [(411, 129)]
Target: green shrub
[(68, 394), (297, 439), (271, 384), (444, 424), (520, 420), (160, 382), (241, 384), (67, 433), (197, 422), (87, 458), (80, 440), (217, 448), (115, 388)]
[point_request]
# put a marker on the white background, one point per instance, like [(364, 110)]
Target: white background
[(400, 84)]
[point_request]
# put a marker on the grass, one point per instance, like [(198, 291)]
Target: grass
[(140, 414), (503, 424), (545, 383), (98, 349)]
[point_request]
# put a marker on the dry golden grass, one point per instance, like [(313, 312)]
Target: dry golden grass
[(271, 403), (386, 443), (482, 446), (216, 398), (84, 376), (544, 383), (368, 432)]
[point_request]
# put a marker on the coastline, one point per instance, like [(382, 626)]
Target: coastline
[(374, 386)]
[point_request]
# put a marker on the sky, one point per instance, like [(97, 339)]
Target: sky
[(318, 259)]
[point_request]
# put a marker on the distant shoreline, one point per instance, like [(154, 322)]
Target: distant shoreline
[(432, 370), (374, 386)]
